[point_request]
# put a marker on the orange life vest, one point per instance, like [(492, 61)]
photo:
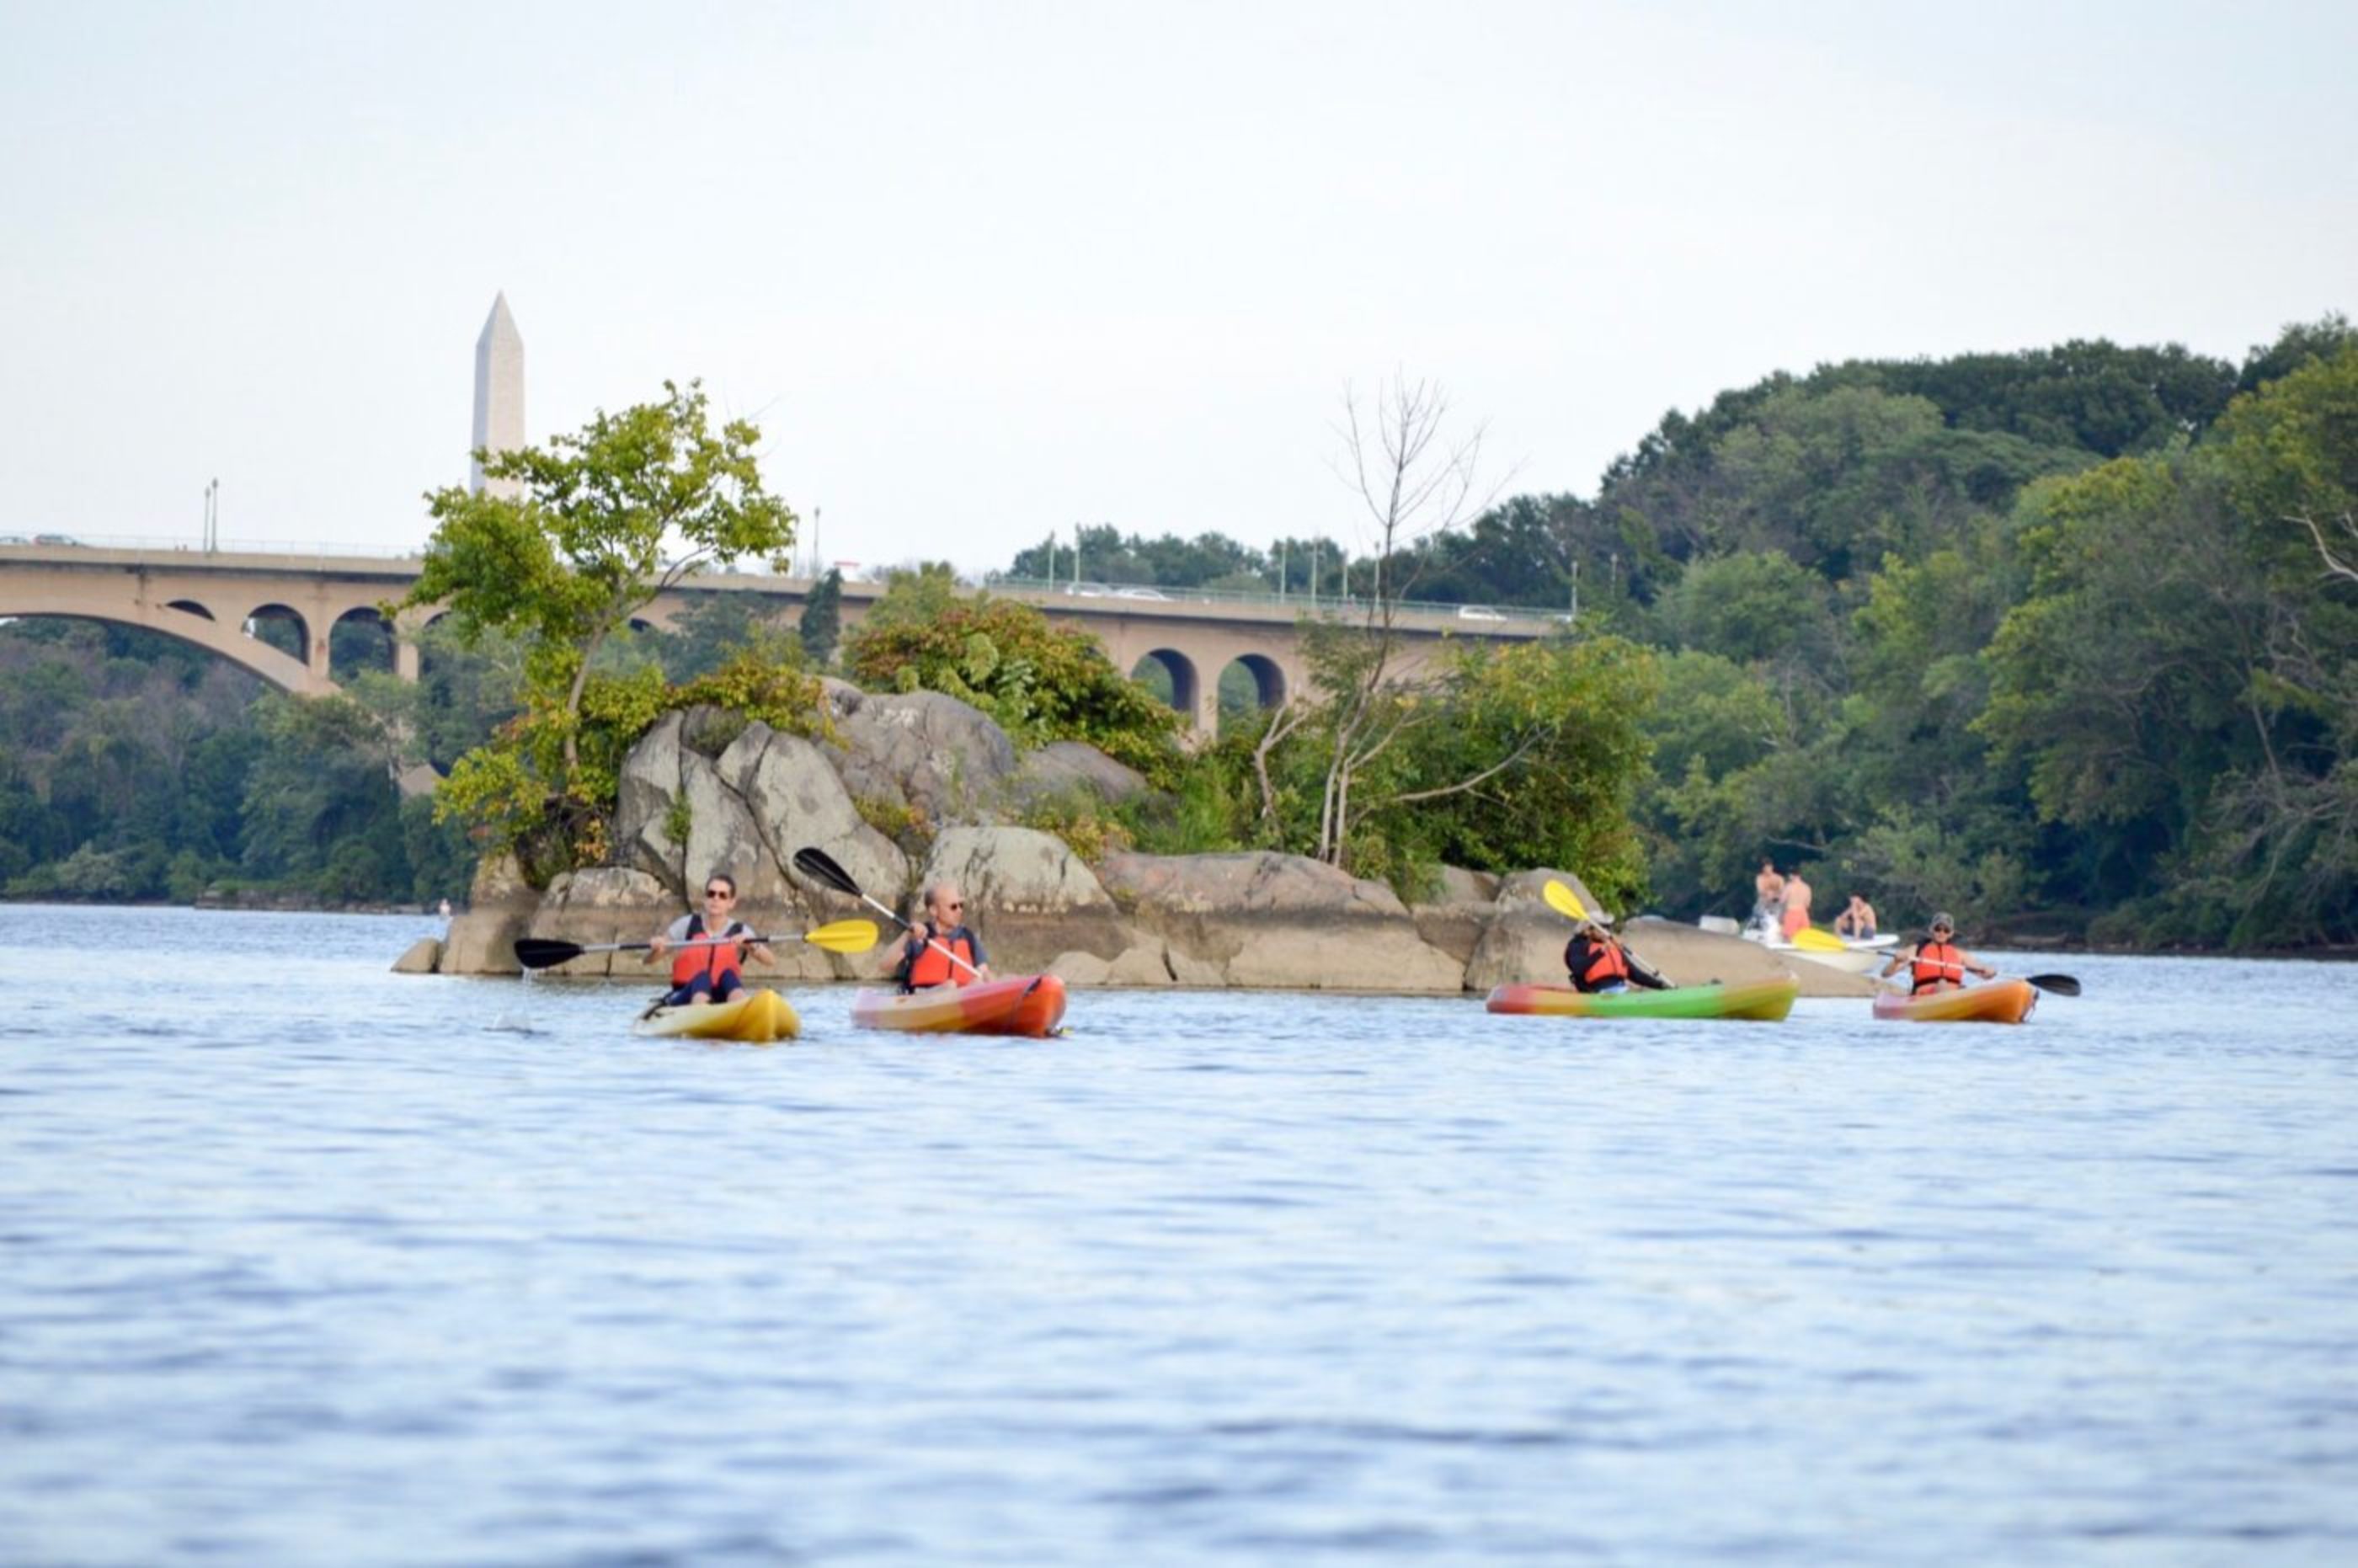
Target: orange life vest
[(1606, 965), (931, 966), (1935, 962), (695, 963)]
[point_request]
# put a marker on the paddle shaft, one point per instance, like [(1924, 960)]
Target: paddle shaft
[(939, 947), (820, 867), (1566, 903)]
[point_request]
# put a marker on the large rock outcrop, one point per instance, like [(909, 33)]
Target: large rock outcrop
[(704, 791)]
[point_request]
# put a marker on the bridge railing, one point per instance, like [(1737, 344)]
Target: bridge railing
[(182, 545), (1149, 594), (1143, 595)]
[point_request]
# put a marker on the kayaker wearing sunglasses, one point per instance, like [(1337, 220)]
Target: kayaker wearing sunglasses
[(922, 963), (1937, 963), (709, 972)]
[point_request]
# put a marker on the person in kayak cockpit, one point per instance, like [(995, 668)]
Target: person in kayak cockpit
[(1598, 961), (923, 961), (708, 971)]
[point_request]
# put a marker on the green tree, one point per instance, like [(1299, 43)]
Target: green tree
[(1039, 682), (565, 564)]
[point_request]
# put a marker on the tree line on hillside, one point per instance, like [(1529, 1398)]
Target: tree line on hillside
[(2055, 639)]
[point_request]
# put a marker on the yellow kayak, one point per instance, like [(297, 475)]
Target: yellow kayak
[(756, 1016)]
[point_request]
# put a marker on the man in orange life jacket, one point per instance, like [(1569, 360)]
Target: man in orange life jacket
[(1599, 962), (1937, 963), (923, 961), (707, 971)]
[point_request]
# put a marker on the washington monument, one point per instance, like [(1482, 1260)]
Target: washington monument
[(499, 394)]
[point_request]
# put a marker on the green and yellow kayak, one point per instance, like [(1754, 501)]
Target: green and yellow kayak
[(1766, 1000), (756, 1017)]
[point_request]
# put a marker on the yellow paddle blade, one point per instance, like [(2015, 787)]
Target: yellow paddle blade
[(1811, 939), (1564, 902), (844, 937)]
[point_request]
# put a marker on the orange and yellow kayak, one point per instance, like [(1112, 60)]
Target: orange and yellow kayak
[(1993, 1001), (756, 1017), (1027, 1004), (1767, 1000)]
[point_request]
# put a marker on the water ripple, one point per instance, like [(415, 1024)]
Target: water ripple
[(412, 1270)]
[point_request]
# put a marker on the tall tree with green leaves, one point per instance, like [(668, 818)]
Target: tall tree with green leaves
[(607, 520)]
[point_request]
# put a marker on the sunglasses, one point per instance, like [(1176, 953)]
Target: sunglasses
[(721, 893), (957, 906)]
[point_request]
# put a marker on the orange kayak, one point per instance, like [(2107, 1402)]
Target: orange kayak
[(1027, 1004), (1995, 1002)]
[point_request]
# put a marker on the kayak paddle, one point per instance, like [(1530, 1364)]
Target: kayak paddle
[(1566, 903), (2061, 985), (843, 936), (818, 865)]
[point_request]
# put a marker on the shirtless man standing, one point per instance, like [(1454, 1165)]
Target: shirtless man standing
[(1797, 904)]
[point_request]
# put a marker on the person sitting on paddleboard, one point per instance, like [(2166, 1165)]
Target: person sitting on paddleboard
[(1598, 962), (1857, 921), (923, 962), (708, 970), (1937, 963)]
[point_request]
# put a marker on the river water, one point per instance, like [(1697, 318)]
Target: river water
[(302, 1261)]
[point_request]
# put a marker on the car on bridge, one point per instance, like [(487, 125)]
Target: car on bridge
[(1478, 612), (1160, 598), (55, 540)]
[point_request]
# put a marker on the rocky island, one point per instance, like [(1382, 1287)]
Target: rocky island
[(706, 791)]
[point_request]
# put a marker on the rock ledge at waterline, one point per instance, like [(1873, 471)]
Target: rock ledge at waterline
[(745, 797)]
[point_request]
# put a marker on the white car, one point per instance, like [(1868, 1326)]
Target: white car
[(1478, 612), (1158, 597)]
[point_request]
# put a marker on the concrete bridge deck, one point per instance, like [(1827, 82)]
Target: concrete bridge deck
[(213, 598)]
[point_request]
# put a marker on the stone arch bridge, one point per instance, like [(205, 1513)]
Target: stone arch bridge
[(215, 601)]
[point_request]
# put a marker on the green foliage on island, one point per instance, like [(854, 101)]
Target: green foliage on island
[(1038, 681)]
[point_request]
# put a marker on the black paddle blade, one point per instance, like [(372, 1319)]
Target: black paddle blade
[(817, 865), (2061, 985), (541, 953)]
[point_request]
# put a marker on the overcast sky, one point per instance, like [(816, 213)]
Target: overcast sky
[(984, 271)]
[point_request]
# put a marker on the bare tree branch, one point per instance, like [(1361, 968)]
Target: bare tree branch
[(2334, 565)]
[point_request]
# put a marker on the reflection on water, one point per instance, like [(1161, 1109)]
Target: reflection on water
[(309, 1262)]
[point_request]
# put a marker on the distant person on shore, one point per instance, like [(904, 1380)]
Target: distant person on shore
[(709, 971), (1937, 963), (1598, 963), (1768, 897), (1796, 914), (924, 965), (1857, 921)]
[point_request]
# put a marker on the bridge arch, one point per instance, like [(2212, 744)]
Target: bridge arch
[(191, 625), (361, 639), (1171, 676), (262, 618), (1253, 680)]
